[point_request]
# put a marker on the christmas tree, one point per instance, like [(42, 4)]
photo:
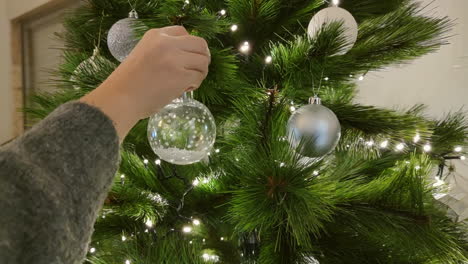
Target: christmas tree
[(255, 198)]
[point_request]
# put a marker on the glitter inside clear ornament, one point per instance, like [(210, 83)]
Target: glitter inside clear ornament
[(121, 38), (313, 130), (183, 132), (89, 66), (335, 14)]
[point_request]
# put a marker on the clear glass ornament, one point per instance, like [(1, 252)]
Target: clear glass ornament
[(183, 132), (121, 38), (89, 66)]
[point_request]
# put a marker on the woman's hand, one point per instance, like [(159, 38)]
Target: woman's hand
[(165, 63)]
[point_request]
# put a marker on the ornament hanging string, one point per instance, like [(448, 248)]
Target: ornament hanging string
[(317, 91), (100, 30), (132, 6)]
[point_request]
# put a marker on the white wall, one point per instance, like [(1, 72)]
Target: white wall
[(17, 8), (6, 97), (10, 9), (440, 81)]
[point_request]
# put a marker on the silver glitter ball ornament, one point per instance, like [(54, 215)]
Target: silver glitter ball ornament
[(313, 130), (183, 132), (121, 38)]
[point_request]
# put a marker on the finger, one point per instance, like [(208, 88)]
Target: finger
[(174, 31), (193, 44), (195, 62), (195, 80)]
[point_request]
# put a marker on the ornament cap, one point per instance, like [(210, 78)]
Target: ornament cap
[(315, 100), (186, 96), (133, 14), (95, 51)]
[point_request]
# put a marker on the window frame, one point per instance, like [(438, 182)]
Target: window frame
[(18, 61)]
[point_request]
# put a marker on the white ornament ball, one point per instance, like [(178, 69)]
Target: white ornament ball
[(314, 130), (183, 132), (335, 14), (121, 38)]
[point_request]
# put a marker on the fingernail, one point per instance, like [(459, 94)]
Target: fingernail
[(209, 52)]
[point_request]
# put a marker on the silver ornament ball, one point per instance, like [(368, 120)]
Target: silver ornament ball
[(335, 14), (183, 132), (121, 38), (313, 130)]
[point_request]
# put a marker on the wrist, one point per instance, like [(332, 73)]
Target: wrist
[(115, 105)]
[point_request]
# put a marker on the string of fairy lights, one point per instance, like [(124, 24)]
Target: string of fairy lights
[(194, 223)]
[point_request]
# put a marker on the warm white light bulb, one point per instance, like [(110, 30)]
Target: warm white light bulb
[(417, 167), (400, 146), (335, 2), (458, 149), (205, 180), (122, 176), (326, 78), (158, 162), (145, 161), (196, 182), (268, 59), (217, 150), (196, 222), (384, 144), (361, 78), (370, 143), (222, 238), (244, 48), (128, 261), (427, 148), (315, 172), (187, 229), (416, 138), (124, 238), (282, 164), (234, 28), (292, 108), (149, 223), (92, 250), (222, 12)]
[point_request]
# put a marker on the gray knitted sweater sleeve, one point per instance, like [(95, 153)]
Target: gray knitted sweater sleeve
[(53, 182)]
